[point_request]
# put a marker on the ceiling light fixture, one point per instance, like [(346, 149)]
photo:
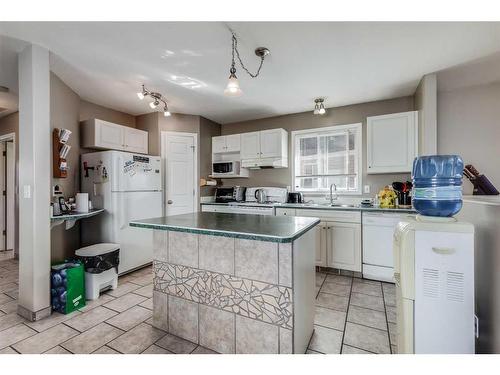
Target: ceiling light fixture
[(319, 108), (157, 99), (233, 86)]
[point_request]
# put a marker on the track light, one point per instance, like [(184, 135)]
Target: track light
[(166, 112), (319, 108), (157, 100)]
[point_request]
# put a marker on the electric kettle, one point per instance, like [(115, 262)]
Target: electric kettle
[(260, 195)]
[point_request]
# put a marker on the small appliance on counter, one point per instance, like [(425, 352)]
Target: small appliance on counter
[(295, 198), (272, 194), (403, 192), (230, 194)]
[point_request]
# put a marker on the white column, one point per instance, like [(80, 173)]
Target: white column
[(34, 182), (426, 104)]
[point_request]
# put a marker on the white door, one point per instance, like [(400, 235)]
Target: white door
[(108, 135), (218, 144), (270, 143), (250, 145), (179, 155), (10, 187), (136, 140), (344, 246), (233, 143)]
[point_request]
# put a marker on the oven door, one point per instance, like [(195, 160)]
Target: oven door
[(223, 167)]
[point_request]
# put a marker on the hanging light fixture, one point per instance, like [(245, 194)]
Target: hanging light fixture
[(319, 108), (233, 86), (157, 99)]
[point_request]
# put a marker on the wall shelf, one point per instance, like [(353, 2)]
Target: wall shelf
[(71, 218)]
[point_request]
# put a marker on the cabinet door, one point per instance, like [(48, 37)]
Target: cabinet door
[(271, 143), (233, 143), (392, 142), (321, 243), (285, 211), (108, 135), (218, 144), (250, 145), (344, 246), (136, 140)]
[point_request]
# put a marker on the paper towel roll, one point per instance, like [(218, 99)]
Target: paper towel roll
[(82, 202)]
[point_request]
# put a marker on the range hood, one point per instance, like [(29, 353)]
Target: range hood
[(265, 163)]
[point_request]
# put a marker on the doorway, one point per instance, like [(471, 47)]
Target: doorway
[(7, 197), (179, 152)]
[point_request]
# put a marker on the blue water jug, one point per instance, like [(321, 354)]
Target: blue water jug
[(437, 184)]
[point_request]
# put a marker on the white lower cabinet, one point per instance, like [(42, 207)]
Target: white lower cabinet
[(338, 237), (343, 246)]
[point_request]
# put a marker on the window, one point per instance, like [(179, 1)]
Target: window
[(328, 156)]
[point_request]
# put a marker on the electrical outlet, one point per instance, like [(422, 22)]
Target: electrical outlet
[(366, 189), (27, 191)]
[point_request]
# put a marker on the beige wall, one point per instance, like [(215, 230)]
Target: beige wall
[(426, 105), (90, 110), (306, 120), (64, 113), (468, 125), (208, 129)]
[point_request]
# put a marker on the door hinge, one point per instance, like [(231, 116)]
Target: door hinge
[(4, 232), (4, 153), (4, 193)]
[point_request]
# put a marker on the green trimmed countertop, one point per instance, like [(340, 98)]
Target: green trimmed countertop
[(253, 227)]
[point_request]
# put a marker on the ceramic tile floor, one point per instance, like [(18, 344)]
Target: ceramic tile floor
[(352, 316)]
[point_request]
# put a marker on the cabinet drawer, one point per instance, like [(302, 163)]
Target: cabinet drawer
[(332, 215), (285, 211)]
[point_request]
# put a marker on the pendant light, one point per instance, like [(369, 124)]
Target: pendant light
[(233, 86)]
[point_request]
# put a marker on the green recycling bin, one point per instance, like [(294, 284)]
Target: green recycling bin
[(67, 286)]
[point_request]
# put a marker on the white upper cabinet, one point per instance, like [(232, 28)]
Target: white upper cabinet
[(250, 145), (266, 148), (392, 142), (271, 143), (226, 143), (104, 135), (136, 140)]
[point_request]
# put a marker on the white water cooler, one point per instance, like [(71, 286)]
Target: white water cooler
[(434, 275)]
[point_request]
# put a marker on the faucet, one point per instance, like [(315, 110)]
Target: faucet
[(331, 193)]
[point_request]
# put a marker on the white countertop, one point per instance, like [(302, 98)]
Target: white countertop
[(493, 200)]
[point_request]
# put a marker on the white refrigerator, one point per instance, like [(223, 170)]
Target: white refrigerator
[(129, 187)]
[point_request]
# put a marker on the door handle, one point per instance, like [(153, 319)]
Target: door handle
[(170, 201), (443, 250)]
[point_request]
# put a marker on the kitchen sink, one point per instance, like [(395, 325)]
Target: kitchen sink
[(340, 205)]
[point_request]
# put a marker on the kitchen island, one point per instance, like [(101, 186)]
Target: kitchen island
[(235, 283)]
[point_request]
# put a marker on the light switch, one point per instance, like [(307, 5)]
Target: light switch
[(27, 191), (366, 189)]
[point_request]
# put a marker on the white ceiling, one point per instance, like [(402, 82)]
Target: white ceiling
[(188, 62)]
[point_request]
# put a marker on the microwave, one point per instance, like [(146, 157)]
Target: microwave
[(226, 167)]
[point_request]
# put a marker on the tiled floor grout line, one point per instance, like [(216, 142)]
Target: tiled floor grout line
[(346, 315), (387, 322), (369, 351)]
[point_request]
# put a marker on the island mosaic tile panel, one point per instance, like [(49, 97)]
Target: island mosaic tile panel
[(249, 298)]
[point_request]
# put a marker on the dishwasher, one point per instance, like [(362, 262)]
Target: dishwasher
[(378, 231)]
